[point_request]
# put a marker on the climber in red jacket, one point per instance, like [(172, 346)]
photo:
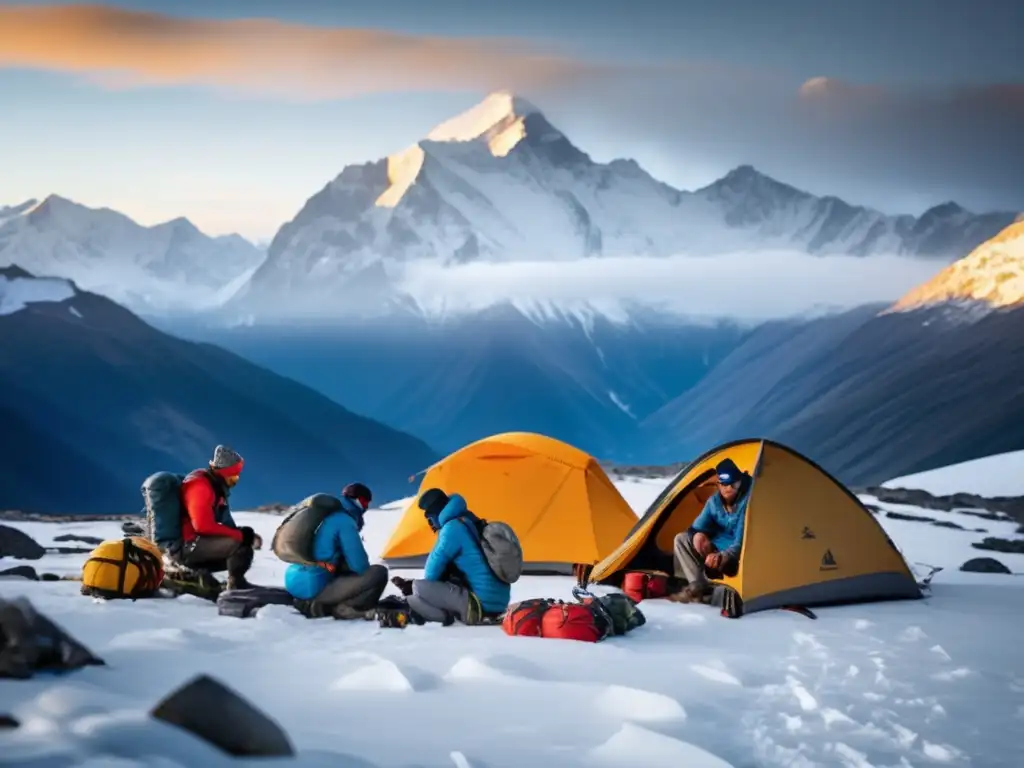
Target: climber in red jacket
[(211, 539)]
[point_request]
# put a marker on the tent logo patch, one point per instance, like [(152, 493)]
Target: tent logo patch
[(828, 562), (807, 533)]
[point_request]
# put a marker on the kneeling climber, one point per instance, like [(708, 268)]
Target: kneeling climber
[(210, 539), (342, 583), (457, 581)]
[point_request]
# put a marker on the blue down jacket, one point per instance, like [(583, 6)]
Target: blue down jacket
[(458, 544), (336, 539)]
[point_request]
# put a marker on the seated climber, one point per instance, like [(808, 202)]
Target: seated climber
[(343, 584), (457, 582), (711, 546), (210, 539)]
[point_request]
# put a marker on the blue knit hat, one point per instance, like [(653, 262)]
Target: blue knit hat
[(728, 472)]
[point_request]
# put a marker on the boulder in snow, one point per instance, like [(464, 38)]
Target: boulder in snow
[(31, 643), (8, 721), (94, 540), (20, 572), (210, 710), (984, 565), (19, 545)]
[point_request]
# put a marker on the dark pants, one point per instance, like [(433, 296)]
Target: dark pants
[(361, 592), (217, 553), (436, 600)]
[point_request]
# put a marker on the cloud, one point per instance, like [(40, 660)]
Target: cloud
[(124, 48), (751, 286), (896, 149)]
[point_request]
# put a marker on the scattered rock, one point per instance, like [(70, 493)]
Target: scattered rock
[(210, 710), (949, 524), (30, 643), (872, 509), (994, 544), (132, 529), (966, 503), (75, 537), (8, 721), (67, 551), (19, 545), (20, 571), (915, 518), (984, 565), (51, 577)]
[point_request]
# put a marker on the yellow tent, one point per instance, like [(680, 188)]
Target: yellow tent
[(807, 539), (561, 504)]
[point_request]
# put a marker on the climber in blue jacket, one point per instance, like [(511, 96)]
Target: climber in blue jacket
[(457, 582), (342, 584)]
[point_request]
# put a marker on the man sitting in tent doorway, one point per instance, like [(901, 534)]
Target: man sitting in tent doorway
[(710, 548)]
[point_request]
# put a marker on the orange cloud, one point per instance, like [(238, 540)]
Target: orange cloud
[(122, 48)]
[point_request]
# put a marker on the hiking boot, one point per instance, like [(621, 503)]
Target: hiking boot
[(311, 609), (239, 582), (347, 613), (397, 618), (692, 593)]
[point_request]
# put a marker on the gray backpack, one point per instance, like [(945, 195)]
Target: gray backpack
[(293, 540), (501, 548)]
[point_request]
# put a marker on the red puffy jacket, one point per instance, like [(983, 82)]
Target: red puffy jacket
[(203, 502)]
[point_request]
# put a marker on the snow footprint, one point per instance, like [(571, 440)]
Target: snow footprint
[(716, 672)]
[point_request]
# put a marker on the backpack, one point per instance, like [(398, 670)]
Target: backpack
[(131, 567), (293, 539), (616, 613), (501, 548), (161, 494)]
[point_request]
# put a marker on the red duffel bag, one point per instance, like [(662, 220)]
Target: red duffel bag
[(524, 619), (642, 585), (571, 621)]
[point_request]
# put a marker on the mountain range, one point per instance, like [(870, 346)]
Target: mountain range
[(170, 267), (498, 183), (871, 393), (93, 400)]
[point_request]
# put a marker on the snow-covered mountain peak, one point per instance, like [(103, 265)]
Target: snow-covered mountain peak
[(500, 120), (166, 267), (992, 275)]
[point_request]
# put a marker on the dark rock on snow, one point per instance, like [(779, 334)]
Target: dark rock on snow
[(966, 503), (8, 721), (916, 518), (995, 544), (30, 643), (94, 540), (19, 545), (210, 710), (984, 565), (21, 572), (132, 529)]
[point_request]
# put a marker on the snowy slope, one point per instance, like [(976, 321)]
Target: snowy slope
[(501, 183), (170, 266), (991, 476), (894, 684), (991, 277), (18, 291)]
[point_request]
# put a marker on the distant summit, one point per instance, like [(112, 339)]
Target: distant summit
[(992, 275)]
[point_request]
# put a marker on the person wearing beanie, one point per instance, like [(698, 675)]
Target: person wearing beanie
[(211, 541), (457, 582), (343, 584), (711, 546)]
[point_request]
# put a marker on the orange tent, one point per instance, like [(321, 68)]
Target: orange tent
[(561, 504), (807, 539)]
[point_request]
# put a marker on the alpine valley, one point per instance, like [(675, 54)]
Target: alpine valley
[(870, 393)]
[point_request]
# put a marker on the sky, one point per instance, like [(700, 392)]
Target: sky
[(191, 108)]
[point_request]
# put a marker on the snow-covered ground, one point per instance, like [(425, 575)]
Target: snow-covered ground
[(991, 476), (937, 682)]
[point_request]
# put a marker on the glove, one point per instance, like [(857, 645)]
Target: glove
[(404, 585), (248, 535)]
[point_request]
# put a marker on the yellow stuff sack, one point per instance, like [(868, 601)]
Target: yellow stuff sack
[(131, 567)]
